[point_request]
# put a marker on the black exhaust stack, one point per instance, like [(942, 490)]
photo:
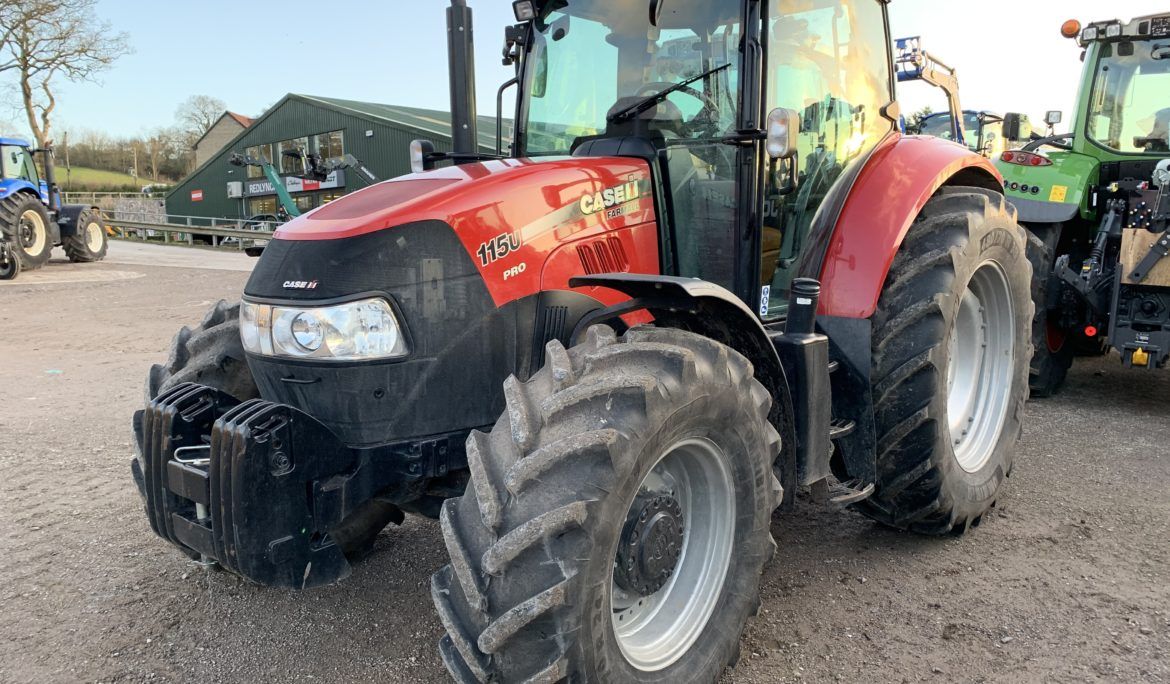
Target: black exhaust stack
[(461, 64)]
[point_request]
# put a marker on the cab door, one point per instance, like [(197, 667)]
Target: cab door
[(829, 62)]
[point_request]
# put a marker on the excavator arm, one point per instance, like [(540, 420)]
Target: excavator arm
[(912, 63)]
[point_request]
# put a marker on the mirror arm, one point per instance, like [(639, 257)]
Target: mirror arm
[(500, 113), (791, 180), (745, 137)]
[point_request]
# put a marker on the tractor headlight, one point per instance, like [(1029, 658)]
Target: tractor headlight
[(1090, 34), (354, 331)]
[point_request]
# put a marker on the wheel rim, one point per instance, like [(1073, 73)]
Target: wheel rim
[(979, 372), (655, 631), (93, 236), (32, 232)]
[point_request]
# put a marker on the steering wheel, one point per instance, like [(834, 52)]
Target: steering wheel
[(709, 105)]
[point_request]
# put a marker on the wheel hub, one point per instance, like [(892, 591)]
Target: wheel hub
[(28, 235), (651, 544)]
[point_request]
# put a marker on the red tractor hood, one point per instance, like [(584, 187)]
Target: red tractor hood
[(486, 198), (513, 216)]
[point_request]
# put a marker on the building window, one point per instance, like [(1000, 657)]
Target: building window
[(329, 145), (327, 197), (261, 206), (293, 164), (262, 153), (304, 202)]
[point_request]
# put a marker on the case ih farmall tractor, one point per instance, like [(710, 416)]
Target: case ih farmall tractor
[(710, 275), (1098, 200)]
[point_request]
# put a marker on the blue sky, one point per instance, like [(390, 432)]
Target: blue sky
[(1009, 54)]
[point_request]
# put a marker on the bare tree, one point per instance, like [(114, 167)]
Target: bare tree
[(197, 115), (159, 146), (42, 40)]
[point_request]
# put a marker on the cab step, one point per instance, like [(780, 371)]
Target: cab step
[(840, 428), (833, 491)]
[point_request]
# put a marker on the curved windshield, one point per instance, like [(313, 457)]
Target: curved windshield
[(939, 126), (1130, 106), (591, 59)]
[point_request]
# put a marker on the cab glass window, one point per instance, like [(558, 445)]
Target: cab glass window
[(1129, 109), (828, 61), (590, 59)]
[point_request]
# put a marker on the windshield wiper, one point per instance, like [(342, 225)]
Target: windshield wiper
[(650, 100)]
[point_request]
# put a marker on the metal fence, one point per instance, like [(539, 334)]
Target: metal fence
[(149, 225)]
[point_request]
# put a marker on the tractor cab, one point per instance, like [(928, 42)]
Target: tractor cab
[(595, 79), (18, 169)]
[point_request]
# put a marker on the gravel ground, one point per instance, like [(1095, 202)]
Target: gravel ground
[(1066, 582)]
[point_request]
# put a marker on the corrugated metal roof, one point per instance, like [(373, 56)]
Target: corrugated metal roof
[(429, 120)]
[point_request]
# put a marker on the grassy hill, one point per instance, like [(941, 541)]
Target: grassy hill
[(97, 180)]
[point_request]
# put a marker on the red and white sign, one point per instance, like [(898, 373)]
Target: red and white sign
[(196, 195)]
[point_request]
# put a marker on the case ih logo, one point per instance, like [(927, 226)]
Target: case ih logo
[(300, 284), (610, 197)]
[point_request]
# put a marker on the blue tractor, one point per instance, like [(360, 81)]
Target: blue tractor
[(32, 218)]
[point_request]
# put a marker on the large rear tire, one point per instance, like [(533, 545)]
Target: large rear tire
[(25, 222), (88, 242), (1054, 346), (951, 347), (576, 498)]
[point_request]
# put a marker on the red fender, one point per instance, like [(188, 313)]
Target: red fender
[(897, 181)]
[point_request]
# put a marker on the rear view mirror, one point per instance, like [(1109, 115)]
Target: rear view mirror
[(1011, 126), (782, 131), (1053, 117)]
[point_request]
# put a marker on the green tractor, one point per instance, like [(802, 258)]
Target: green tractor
[(1097, 202)]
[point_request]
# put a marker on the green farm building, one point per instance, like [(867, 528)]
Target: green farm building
[(378, 135)]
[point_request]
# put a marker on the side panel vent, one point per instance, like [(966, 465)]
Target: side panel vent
[(603, 256)]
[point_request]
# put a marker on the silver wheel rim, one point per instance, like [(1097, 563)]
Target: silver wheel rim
[(33, 234), (93, 236), (655, 631), (979, 373)]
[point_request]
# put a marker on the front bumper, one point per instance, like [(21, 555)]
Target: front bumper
[(257, 486)]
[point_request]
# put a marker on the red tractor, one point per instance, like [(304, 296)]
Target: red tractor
[(710, 274)]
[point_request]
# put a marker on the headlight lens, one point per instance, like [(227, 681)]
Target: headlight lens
[(306, 331), (353, 331)]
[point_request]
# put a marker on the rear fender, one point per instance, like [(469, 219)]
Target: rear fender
[(887, 196), (10, 186)]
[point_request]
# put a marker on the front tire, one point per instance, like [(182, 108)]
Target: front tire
[(88, 242), (951, 348), (653, 451), (9, 264), (25, 221)]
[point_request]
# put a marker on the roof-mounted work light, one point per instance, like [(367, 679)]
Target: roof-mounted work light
[(525, 10)]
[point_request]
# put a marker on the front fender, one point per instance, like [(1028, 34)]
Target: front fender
[(710, 310), (897, 181)]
